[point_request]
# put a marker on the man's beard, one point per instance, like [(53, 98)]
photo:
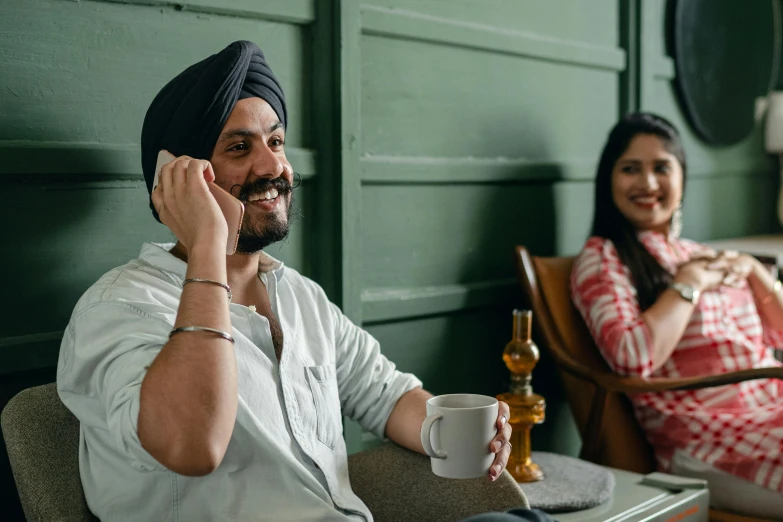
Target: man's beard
[(254, 237)]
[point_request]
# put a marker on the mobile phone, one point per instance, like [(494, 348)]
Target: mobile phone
[(233, 209)]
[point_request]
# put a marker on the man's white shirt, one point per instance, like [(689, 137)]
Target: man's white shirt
[(286, 459)]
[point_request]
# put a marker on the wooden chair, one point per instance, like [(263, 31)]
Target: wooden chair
[(611, 436)]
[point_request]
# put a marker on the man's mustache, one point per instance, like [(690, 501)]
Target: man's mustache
[(261, 186)]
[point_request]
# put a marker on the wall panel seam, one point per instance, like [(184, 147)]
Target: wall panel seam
[(99, 159), (394, 303), (384, 170), (298, 12), (410, 25), (29, 352)]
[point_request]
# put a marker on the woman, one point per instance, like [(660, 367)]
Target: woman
[(661, 306)]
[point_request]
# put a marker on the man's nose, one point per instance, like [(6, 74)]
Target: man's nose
[(267, 164)]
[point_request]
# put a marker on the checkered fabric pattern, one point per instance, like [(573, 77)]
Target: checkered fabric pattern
[(736, 428)]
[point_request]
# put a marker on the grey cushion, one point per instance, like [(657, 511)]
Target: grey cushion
[(42, 437), (569, 484), (397, 484)]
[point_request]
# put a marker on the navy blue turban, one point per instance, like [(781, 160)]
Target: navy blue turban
[(188, 114)]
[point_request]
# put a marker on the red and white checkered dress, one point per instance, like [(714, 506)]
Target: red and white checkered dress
[(736, 428)]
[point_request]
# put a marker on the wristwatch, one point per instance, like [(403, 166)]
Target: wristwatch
[(687, 292)]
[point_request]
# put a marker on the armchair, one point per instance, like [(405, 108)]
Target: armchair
[(611, 435), (42, 437)]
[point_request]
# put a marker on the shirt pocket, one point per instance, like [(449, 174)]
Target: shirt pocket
[(323, 386)]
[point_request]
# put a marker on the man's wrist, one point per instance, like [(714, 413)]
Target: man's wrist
[(209, 240), (207, 261), (207, 248)]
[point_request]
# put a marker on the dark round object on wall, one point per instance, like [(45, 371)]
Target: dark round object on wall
[(725, 58)]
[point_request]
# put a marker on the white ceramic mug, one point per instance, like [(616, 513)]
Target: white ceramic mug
[(457, 433)]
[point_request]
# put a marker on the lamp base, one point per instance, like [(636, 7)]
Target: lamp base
[(526, 472)]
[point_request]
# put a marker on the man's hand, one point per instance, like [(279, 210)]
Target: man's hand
[(188, 399), (404, 424), (404, 428), (185, 205), (500, 445)]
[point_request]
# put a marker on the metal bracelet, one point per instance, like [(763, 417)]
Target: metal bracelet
[(210, 282), (221, 333)]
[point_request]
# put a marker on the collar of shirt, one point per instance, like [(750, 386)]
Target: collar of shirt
[(159, 256), (668, 250)]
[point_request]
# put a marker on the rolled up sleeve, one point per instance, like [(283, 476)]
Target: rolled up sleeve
[(104, 356), (772, 336), (369, 384), (606, 299)]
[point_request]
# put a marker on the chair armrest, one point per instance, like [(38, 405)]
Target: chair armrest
[(599, 373), (621, 384), (612, 382), (398, 484)]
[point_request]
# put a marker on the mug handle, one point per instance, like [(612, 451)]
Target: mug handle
[(426, 436)]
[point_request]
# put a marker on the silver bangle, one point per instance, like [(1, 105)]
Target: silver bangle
[(221, 333), (211, 282)]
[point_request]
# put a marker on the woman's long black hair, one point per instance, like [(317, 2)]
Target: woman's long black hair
[(649, 277)]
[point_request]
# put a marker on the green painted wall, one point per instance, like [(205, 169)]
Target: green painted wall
[(433, 136)]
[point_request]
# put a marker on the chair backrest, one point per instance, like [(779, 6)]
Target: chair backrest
[(42, 438), (561, 329)]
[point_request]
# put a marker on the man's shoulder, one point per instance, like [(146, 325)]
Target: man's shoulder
[(134, 284), (300, 281), (306, 290)]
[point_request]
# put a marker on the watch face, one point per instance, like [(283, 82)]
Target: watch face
[(687, 292)]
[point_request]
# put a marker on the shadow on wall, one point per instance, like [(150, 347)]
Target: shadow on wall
[(531, 222), (65, 224), (41, 224), (507, 214)]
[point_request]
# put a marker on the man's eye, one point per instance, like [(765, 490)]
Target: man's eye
[(276, 142), (238, 146), (628, 169), (663, 169)]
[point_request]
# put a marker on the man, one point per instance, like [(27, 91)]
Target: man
[(211, 387)]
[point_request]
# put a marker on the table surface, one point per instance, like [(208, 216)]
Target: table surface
[(634, 501), (770, 245)]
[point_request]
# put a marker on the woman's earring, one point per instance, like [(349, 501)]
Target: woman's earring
[(676, 225)]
